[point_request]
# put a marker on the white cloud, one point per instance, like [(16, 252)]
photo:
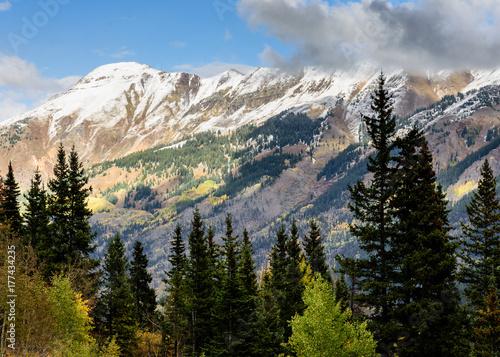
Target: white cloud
[(419, 34), (22, 85), (5, 5), (214, 68), (178, 44), (9, 108), (271, 57), (16, 73)]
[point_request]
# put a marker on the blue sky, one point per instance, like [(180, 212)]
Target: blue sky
[(60, 40), (46, 45), (82, 35)]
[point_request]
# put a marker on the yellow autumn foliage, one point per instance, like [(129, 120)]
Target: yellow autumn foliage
[(464, 188)]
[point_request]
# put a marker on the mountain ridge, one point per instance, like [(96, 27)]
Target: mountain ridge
[(121, 108)]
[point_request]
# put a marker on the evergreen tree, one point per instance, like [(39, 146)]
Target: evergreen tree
[(80, 235), (216, 276), (247, 343), (278, 263), (10, 204), (370, 207), (117, 301), (341, 291), (140, 280), (70, 230), (176, 308), (294, 289), (36, 216), (199, 278), (315, 255), (58, 207), (424, 280), (268, 332), (247, 270), (349, 273), (480, 243), (213, 250), (231, 288)]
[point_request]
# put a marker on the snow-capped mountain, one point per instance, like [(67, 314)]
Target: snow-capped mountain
[(121, 108)]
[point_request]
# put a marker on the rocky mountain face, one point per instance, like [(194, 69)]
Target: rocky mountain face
[(121, 108), (276, 145)]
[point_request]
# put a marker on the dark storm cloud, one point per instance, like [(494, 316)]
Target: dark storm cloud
[(425, 34)]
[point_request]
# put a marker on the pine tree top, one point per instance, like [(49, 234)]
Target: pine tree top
[(116, 264), (480, 241), (139, 263), (382, 125), (10, 204)]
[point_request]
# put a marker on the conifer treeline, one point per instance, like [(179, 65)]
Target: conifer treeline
[(111, 306), (56, 221), (215, 304)]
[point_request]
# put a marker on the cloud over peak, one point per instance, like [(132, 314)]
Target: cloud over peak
[(418, 35), (22, 85)]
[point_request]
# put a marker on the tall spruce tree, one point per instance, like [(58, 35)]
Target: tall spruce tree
[(176, 310), (199, 280), (10, 204), (80, 235), (277, 282), (315, 255), (247, 270), (144, 295), (427, 309), (370, 207), (216, 277), (247, 342), (58, 207), (71, 233), (295, 287), (214, 253), (36, 216), (278, 262), (269, 330), (216, 274), (118, 310), (230, 300), (480, 243)]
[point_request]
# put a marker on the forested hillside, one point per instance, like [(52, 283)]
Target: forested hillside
[(289, 166)]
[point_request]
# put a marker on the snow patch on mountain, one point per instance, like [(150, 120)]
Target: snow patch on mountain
[(133, 106)]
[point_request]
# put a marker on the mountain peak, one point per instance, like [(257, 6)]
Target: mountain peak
[(120, 67), (120, 70)]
